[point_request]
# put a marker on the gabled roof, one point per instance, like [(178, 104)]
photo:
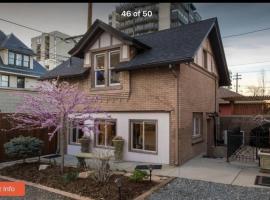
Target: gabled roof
[(224, 93), (70, 68), (37, 70), (97, 28), (180, 44), (11, 42)]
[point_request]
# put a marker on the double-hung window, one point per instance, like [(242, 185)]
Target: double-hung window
[(4, 81), (20, 82), (11, 58), (114, 59), (26, 61), (19, 59), (197, 124), (99, 68), (143, 135), (105, 133)]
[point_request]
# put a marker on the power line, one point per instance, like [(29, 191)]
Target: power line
[(246, 33)]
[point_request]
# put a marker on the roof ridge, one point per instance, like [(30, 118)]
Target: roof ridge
[(177, 27)]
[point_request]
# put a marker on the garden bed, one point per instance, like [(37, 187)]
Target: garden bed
[(51, 177)]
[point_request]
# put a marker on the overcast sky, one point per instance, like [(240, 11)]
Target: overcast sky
[(71, 18)]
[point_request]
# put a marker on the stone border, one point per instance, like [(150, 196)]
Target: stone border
[(49, 189), (152, 190), (78, 197)]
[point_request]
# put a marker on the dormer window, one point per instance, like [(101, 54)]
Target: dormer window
[(18, 59), (114, 59)]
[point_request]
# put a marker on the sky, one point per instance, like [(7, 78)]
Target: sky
[(233, 18)]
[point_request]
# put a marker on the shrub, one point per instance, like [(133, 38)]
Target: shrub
[(23, 147), (138, 175), (70, 176)]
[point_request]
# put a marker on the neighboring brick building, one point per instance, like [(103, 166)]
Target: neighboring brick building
[(159, 88)]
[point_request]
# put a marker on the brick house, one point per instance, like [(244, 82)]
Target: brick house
[(159, 88)]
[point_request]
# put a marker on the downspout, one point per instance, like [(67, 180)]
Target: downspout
[(176, 75)]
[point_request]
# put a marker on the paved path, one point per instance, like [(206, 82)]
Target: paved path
[(33, 193), (186, 189)]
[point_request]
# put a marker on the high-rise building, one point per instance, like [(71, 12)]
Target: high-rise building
[(51, 49), (159, 16)]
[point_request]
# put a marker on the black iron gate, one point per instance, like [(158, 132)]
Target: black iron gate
[(244, 147)]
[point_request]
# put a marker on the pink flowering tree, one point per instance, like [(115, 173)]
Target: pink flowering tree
[(56, 105)]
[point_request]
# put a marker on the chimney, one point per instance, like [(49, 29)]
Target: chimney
[(89, 18)]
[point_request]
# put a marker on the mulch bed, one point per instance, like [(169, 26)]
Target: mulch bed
[(51, 177)]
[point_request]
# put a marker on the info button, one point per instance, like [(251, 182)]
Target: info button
[(14, 189)]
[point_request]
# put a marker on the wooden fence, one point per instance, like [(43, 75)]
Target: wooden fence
[(42, 134)]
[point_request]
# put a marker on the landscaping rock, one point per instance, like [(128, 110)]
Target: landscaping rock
[(42, 167), (85, 174)]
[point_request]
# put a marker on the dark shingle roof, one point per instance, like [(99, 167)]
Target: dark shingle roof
[(226, 93), (69, 68), (97, 28), (37, 70), (11, 42)]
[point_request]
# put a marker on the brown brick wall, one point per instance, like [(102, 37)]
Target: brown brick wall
[(155, 90), (197, 94)]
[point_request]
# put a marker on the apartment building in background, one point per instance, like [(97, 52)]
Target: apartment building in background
[(51, 49), (164, 16)]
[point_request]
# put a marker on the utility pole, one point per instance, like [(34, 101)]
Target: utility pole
[(237, 77), (89, 18)]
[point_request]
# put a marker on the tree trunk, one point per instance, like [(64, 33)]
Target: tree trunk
[(62, 146)]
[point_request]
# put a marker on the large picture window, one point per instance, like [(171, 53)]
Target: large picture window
[(143, 135), (197, 125), (4, 81), (99, 70), (106, 132), (114, 59)]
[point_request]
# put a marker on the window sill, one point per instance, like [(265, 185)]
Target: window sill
[(197, 140), (144, 152), (106, 88)]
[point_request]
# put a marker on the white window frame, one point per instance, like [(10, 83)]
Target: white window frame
[(95, 69), (106, 134), (111, 68), (71, 135), (16, 59), (195, 125), (143, 135), (23, 61), (1, 75), (14, 56)]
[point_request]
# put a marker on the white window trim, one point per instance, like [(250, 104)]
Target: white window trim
[(95, 69), (110, 68), (71, 135), (106, 134), (131, 136), (8, 81)]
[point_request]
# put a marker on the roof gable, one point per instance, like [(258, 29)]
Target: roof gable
[(95, 31), (11, 42)]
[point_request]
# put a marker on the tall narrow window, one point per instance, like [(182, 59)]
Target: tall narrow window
[(20, 82), (99, 70), (197, 124), (4, 81), (26, 61), (106, 132), (143, 136), (205, 64), (11, 58), (75, 134), (114, 59), (19, 59)]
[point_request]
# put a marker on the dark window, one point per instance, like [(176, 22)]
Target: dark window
[(205, 64), (106, 132), (75, 134), (114, 60), (4, 81), (20, 82), (197, 124)]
